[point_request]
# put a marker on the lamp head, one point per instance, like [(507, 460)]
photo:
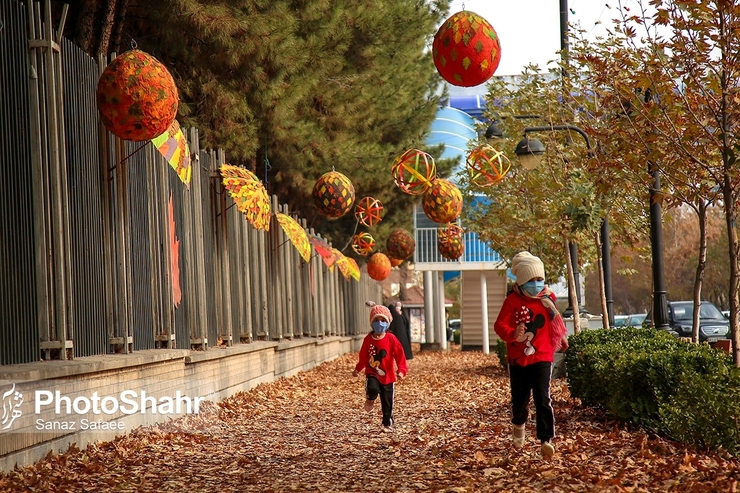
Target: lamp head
[(528, 151), (494, 131)]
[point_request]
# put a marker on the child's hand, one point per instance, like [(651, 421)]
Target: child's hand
[(355, 373), (564, 344), (519, 332), (401, 375)]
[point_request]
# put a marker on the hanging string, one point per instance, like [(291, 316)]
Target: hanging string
[(268, 167), (357, 223)]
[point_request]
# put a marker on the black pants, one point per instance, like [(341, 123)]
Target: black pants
[(535, 380), (373, 388)]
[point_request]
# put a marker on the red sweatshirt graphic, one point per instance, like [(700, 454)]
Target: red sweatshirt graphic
[(535, 345), (377, 357)]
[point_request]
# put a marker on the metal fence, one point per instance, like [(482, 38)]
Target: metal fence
[(18, 319), (88, 222)]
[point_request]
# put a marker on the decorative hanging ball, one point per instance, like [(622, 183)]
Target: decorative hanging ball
[(363, 244), (379, 267), (333, 194), (369, 211), (395, 262), (400, 244), (443, 201), (137, 97), (413, 171), (487, 166), (450, 241), (466, 49)]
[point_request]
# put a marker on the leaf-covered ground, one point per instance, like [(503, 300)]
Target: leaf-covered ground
[(309, 433)]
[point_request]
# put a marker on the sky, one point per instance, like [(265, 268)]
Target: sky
[(529, 30)]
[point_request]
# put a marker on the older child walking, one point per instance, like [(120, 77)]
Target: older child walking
[(533, 330), (379, 356)]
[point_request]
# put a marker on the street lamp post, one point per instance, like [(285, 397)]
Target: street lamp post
[(529, 152)]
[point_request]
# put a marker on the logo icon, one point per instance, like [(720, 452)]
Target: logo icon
[(11, 402)]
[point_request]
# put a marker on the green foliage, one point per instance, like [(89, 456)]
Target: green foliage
[(685, 391), (714, 424), (501, 352)]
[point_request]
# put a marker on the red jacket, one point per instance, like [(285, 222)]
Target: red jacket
[(535, 346), (377, 357)]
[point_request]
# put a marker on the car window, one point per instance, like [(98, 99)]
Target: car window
[(682, 311), (636, 320), (620, 320), (708, 310)]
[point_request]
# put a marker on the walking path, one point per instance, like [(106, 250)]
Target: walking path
[(309, 433)]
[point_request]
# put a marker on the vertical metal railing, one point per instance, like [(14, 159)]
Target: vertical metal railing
[(19, 289)]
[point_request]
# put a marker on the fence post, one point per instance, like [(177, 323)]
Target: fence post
[(198, 333)]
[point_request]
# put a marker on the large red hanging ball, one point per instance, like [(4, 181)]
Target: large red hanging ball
[(379, 267), (400, 244), (333, 194), (137, 97), (443, 202), (466, 49)]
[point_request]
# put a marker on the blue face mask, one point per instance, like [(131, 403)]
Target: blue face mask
[(533, 288), (379, 326)]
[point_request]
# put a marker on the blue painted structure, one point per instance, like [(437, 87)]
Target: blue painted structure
[(454, 127)]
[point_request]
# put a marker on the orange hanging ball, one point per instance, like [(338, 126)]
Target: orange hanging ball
[(137, 97), (333, 194), (443, 202), (466, 49), (379, 267)]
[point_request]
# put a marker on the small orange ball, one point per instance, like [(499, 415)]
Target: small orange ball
[(379, 267)]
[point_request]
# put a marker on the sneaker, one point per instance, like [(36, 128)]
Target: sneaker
[(547, 449), (369, 405), (387, 429), (518, 434)]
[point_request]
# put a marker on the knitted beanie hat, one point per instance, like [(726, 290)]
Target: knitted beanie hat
[(525, 266), (380, 311)]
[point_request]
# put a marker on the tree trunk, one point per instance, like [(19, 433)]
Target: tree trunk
[(602, 287), (108, 15), (700, 268), (572, 296), (733, 253), (85, 26), (402, 281), (115, 43)]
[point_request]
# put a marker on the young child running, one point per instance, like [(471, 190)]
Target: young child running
[(533, 330), (380, 351)]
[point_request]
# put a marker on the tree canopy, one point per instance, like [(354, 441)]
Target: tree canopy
[(293, 89)]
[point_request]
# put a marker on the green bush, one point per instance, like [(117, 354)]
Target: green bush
[(685, 391), (705, 412), (501, 352), (645, 379), (592, 355)]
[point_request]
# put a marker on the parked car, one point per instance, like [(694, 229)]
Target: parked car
[(620, 320), (636, 320), (713, 326)]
